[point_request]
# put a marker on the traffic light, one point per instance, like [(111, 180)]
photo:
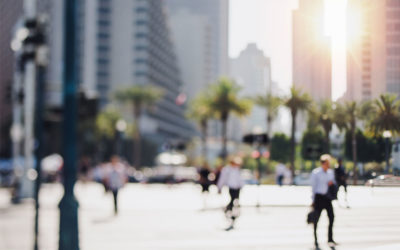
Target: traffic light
[(87, 106), (256, 138)]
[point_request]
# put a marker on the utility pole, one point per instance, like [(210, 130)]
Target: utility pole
[(29, 101), (69, 239)]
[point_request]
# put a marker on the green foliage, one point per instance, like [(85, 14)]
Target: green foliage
[(139, 96), (106, 121), (200, 109), (312, 144), (280, 148), (224, 96), (297, 101), (369, 149), (386, 115), (271, 104)]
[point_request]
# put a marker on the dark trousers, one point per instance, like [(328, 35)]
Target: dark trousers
[(320, 203), (234, 194), (115, 196)]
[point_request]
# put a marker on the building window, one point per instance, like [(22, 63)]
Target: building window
[(104, 10), (141, 22), (103, 35), (103, 48), (141, 9), (103, 23), (140, 48), (140, 35)]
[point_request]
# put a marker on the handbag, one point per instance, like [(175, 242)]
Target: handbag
[(332, 192), (311, 217)]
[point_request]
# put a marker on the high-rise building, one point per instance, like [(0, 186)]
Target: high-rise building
[(211, 17), (252, 71), (10, 12), (312, 65), (373, 59), (193, 51)]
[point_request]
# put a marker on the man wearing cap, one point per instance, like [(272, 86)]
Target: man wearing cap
[(321, 179)]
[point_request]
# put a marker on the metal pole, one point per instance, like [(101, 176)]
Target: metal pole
[(39, 148), (69, 239), (17, 129), (29, 101), (387, 155)]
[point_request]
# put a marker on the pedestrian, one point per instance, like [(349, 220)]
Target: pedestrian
[(204, 181), (230, 177), (116, 178), (341, 177), (84, 168), (322, 181), (280, 170)]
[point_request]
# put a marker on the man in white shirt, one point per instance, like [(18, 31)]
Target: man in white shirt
[(280, 173), (321, 179), (116, 178), (230, 176)]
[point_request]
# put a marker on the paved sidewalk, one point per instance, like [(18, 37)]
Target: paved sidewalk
[(176, 218)]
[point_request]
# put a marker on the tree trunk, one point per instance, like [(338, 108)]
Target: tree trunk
[(137, 150), (269, 131), (224, 152), (354, 152), (293, 146), (204, 139), (327, 142)]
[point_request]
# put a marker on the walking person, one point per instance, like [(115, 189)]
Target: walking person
[(230, 177), (280, 173), (341, 177), (204, 181), (116, 178), (322, 182)]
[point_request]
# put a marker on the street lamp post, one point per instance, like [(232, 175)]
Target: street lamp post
[(69, 239), (387, 135)]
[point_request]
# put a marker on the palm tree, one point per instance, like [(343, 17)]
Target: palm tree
[(346, 117), (297, 101), (271, 104), (323, 113), (105, 123), (201, 112), (139, 97), (386, 117), (224, 101)]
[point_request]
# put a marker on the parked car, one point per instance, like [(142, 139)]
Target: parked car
[(384, 180)]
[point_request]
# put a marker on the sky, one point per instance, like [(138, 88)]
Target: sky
[(268, 23)]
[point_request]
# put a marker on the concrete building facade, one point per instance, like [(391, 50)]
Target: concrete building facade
[(373, 60), (215, 15), (252, 71), (312, 65)]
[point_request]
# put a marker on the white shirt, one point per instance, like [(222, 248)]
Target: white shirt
[(280, 169), (230, 176), (320, 181), (116, 177)]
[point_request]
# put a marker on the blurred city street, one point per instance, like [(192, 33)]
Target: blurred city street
[(176, 217)]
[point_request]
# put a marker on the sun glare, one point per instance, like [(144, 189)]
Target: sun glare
[(335, 18)]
